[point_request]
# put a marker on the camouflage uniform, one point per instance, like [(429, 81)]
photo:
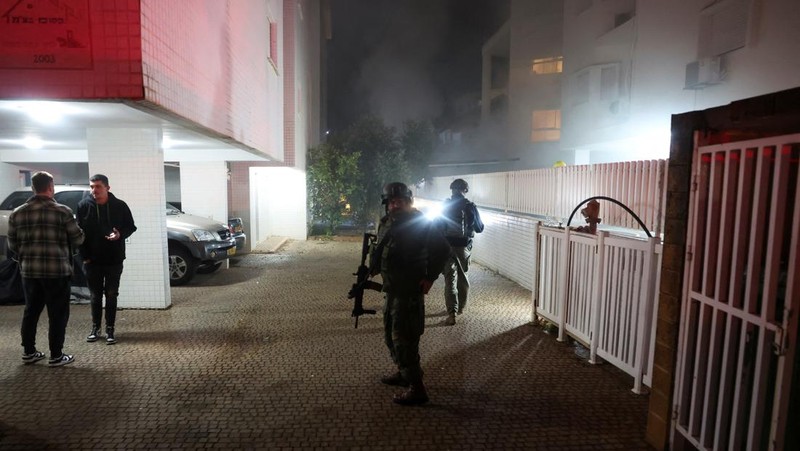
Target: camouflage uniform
[(408, 250)]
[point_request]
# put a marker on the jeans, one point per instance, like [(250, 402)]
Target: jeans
[(53, 293), (103, 280)]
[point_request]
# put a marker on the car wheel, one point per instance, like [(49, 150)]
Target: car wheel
[(182, 266), (208, 268)]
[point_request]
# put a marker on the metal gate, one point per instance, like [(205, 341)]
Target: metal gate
[(740, 296)]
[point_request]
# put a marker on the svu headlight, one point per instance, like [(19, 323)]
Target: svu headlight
[(203, 235)]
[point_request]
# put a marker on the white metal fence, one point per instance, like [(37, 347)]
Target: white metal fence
[(554, 193), (601, 290)]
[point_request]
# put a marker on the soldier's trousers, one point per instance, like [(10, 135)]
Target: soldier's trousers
[(403, 325), (456, 282)]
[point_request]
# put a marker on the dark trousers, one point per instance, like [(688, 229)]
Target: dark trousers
[(53, 293), (103, 280), (403, 325)]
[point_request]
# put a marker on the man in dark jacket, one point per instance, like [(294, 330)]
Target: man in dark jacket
[(460, 221), (409, 254), (43, 235), (107, 222)]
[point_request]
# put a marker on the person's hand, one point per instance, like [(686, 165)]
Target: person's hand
[(114, 235), (426, 285)]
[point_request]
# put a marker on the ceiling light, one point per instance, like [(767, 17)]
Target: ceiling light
[(44, 112), (33, 143)]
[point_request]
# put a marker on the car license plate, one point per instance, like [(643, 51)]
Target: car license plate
[(232, 251)]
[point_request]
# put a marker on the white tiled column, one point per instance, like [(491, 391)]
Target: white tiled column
[(133, 161), (9, 179), (204, 189)]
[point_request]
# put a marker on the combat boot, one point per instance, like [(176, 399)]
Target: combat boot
[(414, 396)]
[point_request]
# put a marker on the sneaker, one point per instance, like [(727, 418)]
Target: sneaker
[(65, 359), (110, 340), (93, 335), (451, 320), (33, 357), (460, 310)]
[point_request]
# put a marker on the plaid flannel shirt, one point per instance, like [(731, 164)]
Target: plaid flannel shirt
[(44, 235)]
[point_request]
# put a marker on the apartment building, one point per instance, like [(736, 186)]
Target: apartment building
[(126, 87), (592, 81)]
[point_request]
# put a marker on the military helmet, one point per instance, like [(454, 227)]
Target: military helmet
[(394, 190), (460, 185)]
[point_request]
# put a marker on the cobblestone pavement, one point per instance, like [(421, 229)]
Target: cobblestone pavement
[(264, 356)]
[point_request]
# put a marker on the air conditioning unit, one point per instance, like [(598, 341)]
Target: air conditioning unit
[(704, 72)]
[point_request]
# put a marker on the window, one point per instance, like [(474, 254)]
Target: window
[(273, 43), (71, 198), (546, 125), (553, 65), (723, 27)]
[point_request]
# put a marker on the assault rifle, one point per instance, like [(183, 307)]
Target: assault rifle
[(356, 293)]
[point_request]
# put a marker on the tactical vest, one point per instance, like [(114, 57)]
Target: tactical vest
[(457, 222)]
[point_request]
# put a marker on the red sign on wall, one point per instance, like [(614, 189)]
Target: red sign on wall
[(45, 34)]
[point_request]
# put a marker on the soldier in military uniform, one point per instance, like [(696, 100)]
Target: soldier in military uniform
[(459, 222), (409, 254)]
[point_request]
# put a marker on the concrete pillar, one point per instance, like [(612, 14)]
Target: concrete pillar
[(9, 179), (134, 163), (204, 189)]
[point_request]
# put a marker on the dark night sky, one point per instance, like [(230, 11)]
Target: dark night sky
[(402, 59)]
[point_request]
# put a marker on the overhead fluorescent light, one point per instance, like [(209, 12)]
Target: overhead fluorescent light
[(33, 143)]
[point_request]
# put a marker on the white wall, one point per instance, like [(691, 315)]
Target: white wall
[(653, 50), (204, 189), (507, 245), (9, 179), (278, 200), (206, 61)]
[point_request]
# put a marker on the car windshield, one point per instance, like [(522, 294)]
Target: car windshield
[(15, 199), (173, 210)]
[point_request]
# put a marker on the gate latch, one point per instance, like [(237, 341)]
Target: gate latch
[(779, 344)]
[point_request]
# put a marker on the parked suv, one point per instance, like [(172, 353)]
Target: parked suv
[(195, 244)]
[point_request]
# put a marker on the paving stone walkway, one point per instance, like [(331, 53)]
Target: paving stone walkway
[(264, 356)]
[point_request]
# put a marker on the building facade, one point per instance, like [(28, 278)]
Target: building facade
[(124, 88), (590, 81)]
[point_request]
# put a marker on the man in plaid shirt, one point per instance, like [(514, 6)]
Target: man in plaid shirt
[(43, 235)]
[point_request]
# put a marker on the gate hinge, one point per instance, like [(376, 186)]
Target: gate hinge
[(694, 183), (675, 412), (689, 253)]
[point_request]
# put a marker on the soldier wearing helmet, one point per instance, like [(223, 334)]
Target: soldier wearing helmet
[(409, 254), (459, 222)]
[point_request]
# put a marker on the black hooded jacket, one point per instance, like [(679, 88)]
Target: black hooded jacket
[(97, 222)]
